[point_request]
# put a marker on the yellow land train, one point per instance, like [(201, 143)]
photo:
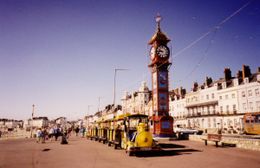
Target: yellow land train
[(92, 133), (115, 131), (136, 136), (129, 132), (251, 123)]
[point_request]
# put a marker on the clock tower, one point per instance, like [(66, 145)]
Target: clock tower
[(159, 54)]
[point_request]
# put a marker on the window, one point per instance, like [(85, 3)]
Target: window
[(233, 95), (244, 106), (220, 97), (257, 92), (227, 108), (226, 96), (243, 94), (249, 92), (251, 105), (221, 109), (212, 96), (207, 97), (258, 105), (214, 123), (234, 108)]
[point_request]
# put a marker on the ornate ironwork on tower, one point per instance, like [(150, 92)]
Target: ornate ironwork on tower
[(160, 64)]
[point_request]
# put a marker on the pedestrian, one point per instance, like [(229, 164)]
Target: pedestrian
[(64, 137), (44, 134), (51, 133), (77, 130), (38, 135)]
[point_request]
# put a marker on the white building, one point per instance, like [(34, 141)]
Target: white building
[(37, 122), (177, 107), (136, 102), (219, 104), (10, 124), (61, 121)]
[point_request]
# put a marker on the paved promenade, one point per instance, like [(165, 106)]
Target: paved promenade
[(80, 152)]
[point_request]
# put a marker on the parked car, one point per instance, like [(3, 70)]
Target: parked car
[(183, 133)]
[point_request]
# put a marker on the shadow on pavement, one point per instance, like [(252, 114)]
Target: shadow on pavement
[(46, 149), (170, 145), (167, 150)]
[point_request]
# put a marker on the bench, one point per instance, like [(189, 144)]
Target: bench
[(213, 137)]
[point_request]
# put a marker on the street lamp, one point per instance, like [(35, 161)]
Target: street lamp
[(32, 119), (114, 97), (88, 109), (99, 98), (87, 118)]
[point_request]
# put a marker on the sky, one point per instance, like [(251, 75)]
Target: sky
[(60, 55)]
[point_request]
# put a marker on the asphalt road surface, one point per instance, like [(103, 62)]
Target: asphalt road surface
[(83, 153)]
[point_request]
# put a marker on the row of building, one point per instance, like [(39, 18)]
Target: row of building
[(34, 123), (213, 104)]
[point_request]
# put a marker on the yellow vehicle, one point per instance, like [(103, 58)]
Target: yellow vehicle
[(251, 122), (135, 136), (93, 131), (116, 130)]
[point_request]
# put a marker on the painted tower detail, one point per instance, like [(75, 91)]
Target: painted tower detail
[(159, 55)]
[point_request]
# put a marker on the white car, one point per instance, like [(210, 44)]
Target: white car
[(183, 133)]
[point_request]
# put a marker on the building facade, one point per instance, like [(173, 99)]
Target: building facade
[(219, 104), (137, 101), (214, 104)]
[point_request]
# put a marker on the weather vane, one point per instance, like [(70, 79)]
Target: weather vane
[(158, 19)]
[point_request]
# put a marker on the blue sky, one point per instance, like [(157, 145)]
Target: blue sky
[(61, 55)]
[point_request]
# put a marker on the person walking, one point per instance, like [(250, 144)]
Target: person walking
[(38, 135)]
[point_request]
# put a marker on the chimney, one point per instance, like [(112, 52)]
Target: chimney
[(177, 91), (208, 81), (246, 71), (195, 87), (183, 92), (239, 74), (227, 73)]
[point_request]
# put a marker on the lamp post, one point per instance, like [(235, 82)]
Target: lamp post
[(99, 98), (33, 106), (114, 89), (88, 109), (88, 116)]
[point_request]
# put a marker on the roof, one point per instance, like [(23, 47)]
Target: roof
[(159, 36), (137, 115)]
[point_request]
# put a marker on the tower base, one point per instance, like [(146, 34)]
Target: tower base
[(162, 126)]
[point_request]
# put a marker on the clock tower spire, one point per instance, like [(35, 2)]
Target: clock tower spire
[(159, 54)]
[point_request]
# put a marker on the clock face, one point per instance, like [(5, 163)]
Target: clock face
[(152, 53), (163, 51)]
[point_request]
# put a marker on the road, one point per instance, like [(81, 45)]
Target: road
[(80, 152)]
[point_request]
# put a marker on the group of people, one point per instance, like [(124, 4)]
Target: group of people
[(81, 131), (43, 134), (53, 133)]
